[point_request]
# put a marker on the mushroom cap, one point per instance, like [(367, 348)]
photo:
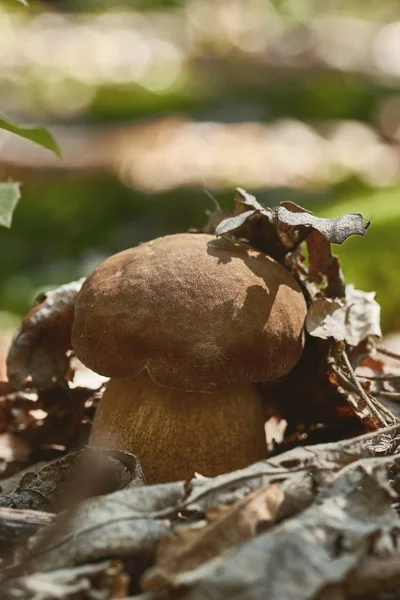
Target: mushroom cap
[(199, 313)]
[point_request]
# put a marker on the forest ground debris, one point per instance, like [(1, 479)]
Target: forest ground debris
[(318, 519)]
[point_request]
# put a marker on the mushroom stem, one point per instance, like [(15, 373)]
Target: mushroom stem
[(176, 433)]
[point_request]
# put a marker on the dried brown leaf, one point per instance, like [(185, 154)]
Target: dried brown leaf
[(123, 524), (352, 319), (187, 547), (336, 231), (233, 223), (319, 256), (281, 230), (351, 519), (326, 318), (364, 315), (36, 426), (38, 354), (244, 201), (130, 523), (99, 471)]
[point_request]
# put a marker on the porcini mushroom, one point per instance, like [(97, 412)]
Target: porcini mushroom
[(184, 326)]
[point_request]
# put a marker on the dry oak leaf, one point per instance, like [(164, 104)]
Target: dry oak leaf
[(246, 205), (302, 556), (352, 319), (336, 231), (84, 473), (124, 524), (38, 354), (188, 547)]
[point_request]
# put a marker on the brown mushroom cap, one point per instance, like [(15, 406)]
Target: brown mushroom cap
[(199, 313)]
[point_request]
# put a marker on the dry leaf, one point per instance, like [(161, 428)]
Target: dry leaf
[(129, 524), (278, 231), (233, 223), (42, 425), (90, 582), (326, 318), (244, 199), (123, 524), (83, 473), (352, 319), (297, 559), (364, 315), (336, 231), (187, 547), (38, 354)]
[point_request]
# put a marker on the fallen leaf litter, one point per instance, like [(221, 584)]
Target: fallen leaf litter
[(311, 522)]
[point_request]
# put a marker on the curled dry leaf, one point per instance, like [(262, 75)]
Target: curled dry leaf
[(315, 465), (280, 230), (233, 223), (38, 354), (39, 425), (247, 200), (187, 547), (123, 524), (129, 524), (296, 560), (300, 472), (336, 231), (76, 476), (352, 319)]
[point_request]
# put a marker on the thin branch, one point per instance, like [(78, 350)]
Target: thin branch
[(391, 395), (386, 352), (386, 411), (346, 383), (380, 377), (350, 386), (374, 405)]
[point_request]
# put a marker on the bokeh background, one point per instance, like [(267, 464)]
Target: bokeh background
[(153, 103)]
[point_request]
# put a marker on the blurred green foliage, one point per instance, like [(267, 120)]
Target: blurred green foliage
[(69, 221), (54, 242)]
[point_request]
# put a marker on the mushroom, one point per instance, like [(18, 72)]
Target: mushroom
[(184, 326)]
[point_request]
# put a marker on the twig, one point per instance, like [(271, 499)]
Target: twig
[(15, 521), (348, 383), (386, 411), (391, 395), (373, 404), (386, 352), (345, 381), (380, 377)]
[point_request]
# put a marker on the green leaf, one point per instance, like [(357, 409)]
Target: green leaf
[(9, 196), (36, 134)]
